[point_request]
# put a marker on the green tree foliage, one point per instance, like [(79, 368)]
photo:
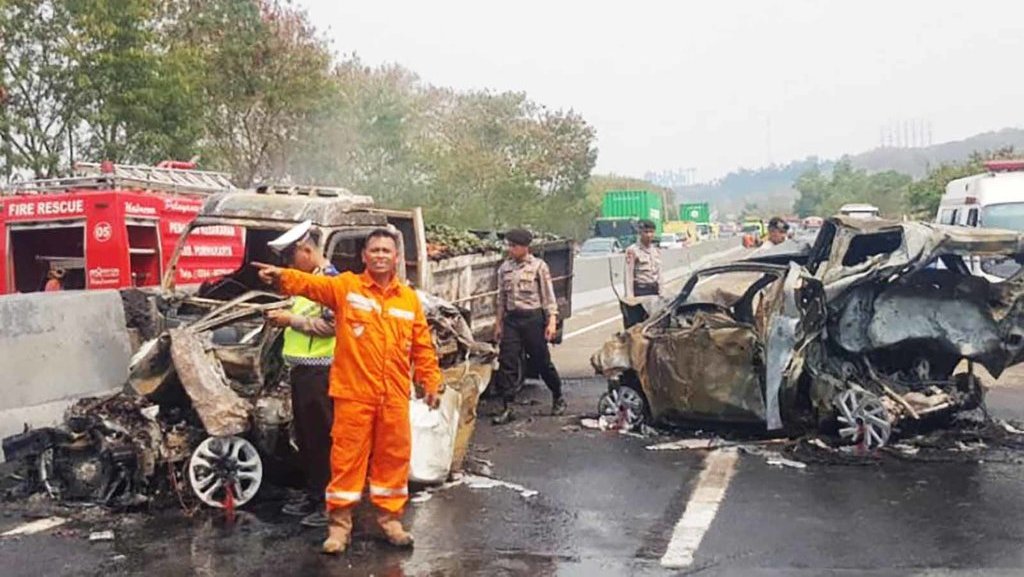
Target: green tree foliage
[(501, 160), (134, 97), (38, 63), (263, 73), (822, 194), (253, 89), (924, 195)]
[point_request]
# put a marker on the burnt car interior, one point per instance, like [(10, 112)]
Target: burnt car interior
[(736, 293), (245, 278), (864, 246)]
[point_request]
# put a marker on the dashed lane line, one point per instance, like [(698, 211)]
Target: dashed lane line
[(686, 270), (591, 327), (701, 509)]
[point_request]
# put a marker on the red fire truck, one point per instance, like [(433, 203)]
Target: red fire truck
[(112, 226)]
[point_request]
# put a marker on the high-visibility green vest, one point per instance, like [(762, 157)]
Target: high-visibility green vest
[(306, 349)]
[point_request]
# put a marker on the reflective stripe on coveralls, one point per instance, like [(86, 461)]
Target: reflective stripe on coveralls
[(382, 338)]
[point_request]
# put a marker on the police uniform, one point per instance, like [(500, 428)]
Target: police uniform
[(643, 270), (526, 301), (308, 352)]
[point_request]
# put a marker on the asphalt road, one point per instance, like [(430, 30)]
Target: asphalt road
[(604, 505)]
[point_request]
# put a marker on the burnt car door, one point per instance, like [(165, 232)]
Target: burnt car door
[(730, 347), (704, 355)]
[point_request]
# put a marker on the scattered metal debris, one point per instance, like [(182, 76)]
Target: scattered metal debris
[(478, 482), (1010, 428), (784, 462), (97, 536), (688, 444), (472, 482), (206, 410)]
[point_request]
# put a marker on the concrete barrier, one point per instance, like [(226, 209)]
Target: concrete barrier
[(592, 272), (55, 348), (591, 283)]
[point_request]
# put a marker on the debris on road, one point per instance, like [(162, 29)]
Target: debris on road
[(472, 481), (862, 336), (602, 423), (784, 462), (207, 407), (906, 449), (97, 536), (1010, 428), (687, 444), (478, 482)]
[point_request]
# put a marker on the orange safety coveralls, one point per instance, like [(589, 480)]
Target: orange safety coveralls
[(382, 337)]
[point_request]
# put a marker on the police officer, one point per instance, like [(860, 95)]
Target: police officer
[(308, 352), (778, 231), (527, 318), (643, 264)]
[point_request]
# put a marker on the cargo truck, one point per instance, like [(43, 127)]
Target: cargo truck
[(622, 210), (698, 213)]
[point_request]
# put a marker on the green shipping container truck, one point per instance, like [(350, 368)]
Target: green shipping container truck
[(698, 212), (633, 204)]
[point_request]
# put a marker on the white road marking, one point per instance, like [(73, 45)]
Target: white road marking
[(589, 328), (37, 526), (681, 272), (701, 509)]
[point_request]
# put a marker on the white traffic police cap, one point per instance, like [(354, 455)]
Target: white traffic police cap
[(292, 236)]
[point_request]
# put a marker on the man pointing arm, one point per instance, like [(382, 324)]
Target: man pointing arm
[(381, 338)]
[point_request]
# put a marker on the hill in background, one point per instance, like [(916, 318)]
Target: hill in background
[(770, 189)]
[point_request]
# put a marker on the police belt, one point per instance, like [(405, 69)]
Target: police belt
[(524, 313)]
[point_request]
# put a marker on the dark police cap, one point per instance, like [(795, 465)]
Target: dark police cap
[(777, 223), (519, 236), (647, 225)]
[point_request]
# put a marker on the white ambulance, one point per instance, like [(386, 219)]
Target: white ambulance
[(993, 199)]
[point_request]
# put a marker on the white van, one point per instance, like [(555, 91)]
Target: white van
[(994, 199), (859, 210)]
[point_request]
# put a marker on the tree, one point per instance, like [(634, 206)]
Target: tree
[(137, 100), (499, 160), (366, 132), (264, 71), (822, 196), (925, 194), (38, 64)]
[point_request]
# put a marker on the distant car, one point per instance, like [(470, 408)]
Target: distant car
[(671, 240), (600, 246), (859, 210)]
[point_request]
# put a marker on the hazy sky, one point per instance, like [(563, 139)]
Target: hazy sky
[(713, 84)]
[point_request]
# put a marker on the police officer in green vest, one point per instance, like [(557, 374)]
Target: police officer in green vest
[(308, 352)]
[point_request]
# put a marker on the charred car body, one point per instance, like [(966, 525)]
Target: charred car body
[(880, 323), (207, 405)]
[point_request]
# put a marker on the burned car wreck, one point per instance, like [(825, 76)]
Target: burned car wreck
[(205, 421), (879, 326), (205, 416)]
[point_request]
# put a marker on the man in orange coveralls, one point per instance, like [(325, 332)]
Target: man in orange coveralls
[(381, 330)]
